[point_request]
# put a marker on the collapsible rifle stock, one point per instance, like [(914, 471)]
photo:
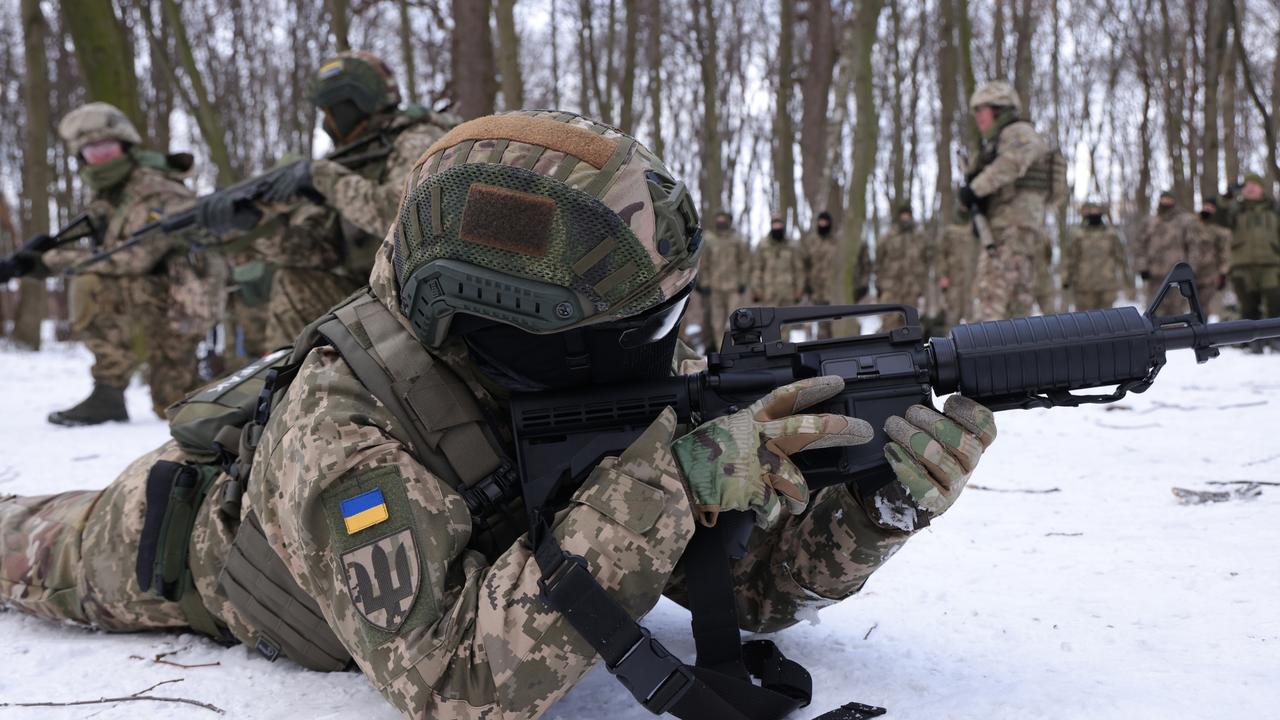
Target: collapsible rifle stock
[(24, 261), (1033, 362)]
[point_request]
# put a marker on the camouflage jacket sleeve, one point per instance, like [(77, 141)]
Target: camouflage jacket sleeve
[(1070, 255), (755, 286), (367, 204), (438, 630), (1020, 147), (152, 196), (1141, 245), (305, 236)]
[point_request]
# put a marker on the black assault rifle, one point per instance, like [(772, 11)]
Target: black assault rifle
[(1033, 362), (26, 259)]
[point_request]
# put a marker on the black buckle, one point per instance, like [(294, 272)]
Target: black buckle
[(656, 678), (548, 582)]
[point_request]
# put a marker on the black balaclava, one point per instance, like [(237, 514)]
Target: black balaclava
[(824, 223), (723, 222), (639, 348), (777, 229)]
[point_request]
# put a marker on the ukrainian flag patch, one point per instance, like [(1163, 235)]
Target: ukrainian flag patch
[(364, 511)]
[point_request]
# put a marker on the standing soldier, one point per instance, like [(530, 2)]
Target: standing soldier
[(957, 263), (820, 254), (1009, 182), (155, 294), (319, 254), (1210, 256), (1093, 261), (1165, 239), (726, 261), (777, 270), (1255, 253), (901, 265)]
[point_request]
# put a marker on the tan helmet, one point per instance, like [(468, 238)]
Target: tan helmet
[(96, 121), (996, 93), (545, 221)]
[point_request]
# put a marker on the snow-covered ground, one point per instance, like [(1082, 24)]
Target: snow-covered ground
[(1104, 599)]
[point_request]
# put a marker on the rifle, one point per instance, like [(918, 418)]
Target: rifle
[(1020, 363), (22, 263), (244, 195)]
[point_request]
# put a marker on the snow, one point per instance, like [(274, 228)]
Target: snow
[(1106, 599)]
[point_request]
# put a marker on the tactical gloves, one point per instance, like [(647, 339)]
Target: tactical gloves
[(967, 197), (221, 215), (932, 456), (741, 461), (290, 183)]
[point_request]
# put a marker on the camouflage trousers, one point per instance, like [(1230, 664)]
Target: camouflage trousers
[(298, 296), (125, 322), (1006, 274), (1044, 287), (246, 333), (1094, 299), (1258, 291), (901, 290), (720, 303)]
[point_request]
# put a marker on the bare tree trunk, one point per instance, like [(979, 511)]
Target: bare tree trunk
[(864, 135), (32, 295), (897, 76), (1023, 67), (407, 56), (704, 24), (104, 55), (627, 88), (1173, 123), (815, 87), (1215, 50), (472, 53), (966, 69), (555, 56), (947, 98), (1227, 104), (1142, 191), (509, 55), (340, 23), (997, 42), (206, 115), (784, 132), (654, 58), (1268, 122)]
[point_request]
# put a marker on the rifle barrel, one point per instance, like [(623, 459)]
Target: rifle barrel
[(1231, 332)]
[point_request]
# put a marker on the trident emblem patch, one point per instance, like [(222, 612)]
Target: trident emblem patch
[(383, 578)]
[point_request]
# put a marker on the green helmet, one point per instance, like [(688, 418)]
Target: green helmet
[(544, 221), (996, 93), (359, 77), (96, 121)]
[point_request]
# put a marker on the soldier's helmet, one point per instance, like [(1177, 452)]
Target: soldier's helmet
[(545, 221), (996, 93), (96, 121), (358, 77)]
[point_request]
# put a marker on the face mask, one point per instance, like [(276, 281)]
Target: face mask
[(906, 224), (777, 233), (824, 230), (1206, 215), (1164, 209), (1093, 219), (722, 225), (107, 175), (343, 120)]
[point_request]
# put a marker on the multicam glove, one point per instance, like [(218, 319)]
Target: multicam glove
[(932, 455), (741, 461)]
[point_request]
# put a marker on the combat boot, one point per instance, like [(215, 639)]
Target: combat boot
[(104, 404)]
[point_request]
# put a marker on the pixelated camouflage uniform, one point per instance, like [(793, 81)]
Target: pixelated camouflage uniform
[(155, 295), (1211, 258), (901, 267), (1166, 239), (723, 274), (822, 272), (957, 263), (777, 273), (1094, 265), (1255, 258), (475, 640), (322, 253), (1006, 272)]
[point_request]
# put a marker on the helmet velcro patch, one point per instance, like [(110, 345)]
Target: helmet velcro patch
[(508, 219), (593, 149)]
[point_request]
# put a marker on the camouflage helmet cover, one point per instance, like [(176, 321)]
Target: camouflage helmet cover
[(96, 121), (996, 93), (545, 221), (358, 76)]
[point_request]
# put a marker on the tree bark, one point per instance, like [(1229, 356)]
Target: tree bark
[(864, 136), (654, 58), (340, 23), (784, 132), (206, 115), (815, 88), (472, 53), (509, 55), (997, 41), (897, 139), (32, 295), (965, 47), (1173, 123), (1268, 124), (104, 54), (407, 56), (704, 32), (555, 56), (1215, 50), (627, 88), (947, 99), (1227, 104), (1023, 67)]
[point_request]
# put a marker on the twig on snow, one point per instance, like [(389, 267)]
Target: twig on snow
[(1263, 461), (868, 633), (160, 660), (141, 695), (1062, 534), (1029, 491), (1241, 482), (1148, 426)]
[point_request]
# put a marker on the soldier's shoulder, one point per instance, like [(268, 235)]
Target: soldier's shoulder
[(1021, 132), (149, 182)]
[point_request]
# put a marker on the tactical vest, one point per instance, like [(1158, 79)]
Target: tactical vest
[(1047, 175), (1255, 238), (437, 419)]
